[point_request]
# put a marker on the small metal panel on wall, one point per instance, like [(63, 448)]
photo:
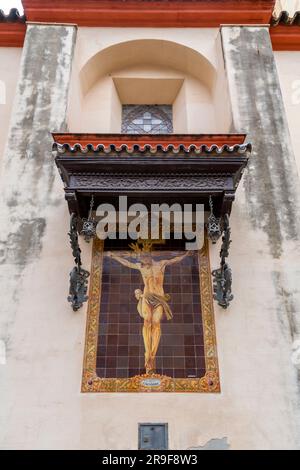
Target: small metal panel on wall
[(153, 436)]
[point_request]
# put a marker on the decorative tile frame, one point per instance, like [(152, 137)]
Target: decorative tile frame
[(209, 383)]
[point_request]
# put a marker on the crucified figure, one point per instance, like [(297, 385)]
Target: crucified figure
[(152, 302)]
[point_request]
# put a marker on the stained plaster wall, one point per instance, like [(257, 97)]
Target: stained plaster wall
[(32, 215), (268, 201), (41, 403)]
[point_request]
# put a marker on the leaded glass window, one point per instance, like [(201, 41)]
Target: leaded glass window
[(147, 119)]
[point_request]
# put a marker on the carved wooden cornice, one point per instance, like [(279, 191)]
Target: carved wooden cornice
[(12, 34), (170, 173), (285, 31), (285, 37), (12, 29), (153, 13)]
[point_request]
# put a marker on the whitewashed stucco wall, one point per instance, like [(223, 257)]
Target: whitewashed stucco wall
[(41, 405), (10, 58), (288, 67)]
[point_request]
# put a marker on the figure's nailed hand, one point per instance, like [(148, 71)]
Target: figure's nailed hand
[(190, 252), (138, 294)]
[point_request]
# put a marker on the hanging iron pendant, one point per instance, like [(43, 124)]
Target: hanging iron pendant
[(223, 277), (78, 275), (222, 285), (214, 230), (89, 225)]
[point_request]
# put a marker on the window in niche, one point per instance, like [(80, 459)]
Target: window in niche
[(147, 119)]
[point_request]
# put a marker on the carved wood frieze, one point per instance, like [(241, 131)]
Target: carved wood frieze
[(153, 182), (101, 169)]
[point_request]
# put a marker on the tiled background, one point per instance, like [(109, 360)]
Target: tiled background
[(120, 351)]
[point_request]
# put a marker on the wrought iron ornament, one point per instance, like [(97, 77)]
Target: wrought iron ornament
[(223, 276), (78, 275), (89, 224), (213, 224)]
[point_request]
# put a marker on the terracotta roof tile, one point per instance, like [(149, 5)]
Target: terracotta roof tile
[(12, 17), (285, 19), (151, 149)]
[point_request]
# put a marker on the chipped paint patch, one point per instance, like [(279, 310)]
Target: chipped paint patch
[(214, 444)]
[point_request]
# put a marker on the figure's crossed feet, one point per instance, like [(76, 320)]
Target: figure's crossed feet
[(150, 366)]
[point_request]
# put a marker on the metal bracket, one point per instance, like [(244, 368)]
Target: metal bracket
[(223, 277), (213, 224), (89, 224), (78, 275)]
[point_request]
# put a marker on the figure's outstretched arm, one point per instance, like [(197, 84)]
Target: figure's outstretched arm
[(123, 261), (176, 259)]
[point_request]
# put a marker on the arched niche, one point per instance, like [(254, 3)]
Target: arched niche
[(146, 71)]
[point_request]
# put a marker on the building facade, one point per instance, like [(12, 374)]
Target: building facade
[(159, 102)]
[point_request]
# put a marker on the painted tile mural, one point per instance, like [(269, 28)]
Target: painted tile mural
[(150, 323)]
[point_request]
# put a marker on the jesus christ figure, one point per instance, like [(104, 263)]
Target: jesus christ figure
[(152, 302)]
